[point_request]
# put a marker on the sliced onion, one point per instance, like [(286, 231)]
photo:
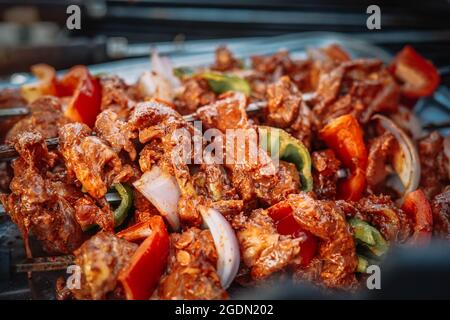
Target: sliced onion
[(163, 67), (162, 190), (407, 121), (406, 161), (151, 84), (226, 243)]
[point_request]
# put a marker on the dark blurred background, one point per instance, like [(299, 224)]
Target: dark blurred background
[(35, 31)]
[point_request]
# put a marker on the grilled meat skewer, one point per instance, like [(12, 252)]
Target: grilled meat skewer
[(8, 153)]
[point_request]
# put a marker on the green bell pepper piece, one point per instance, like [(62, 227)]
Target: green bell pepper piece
[(369, 237), (221, 83), (182, 72), (291, 150), (363, 263), (121, 212), (126, 194)]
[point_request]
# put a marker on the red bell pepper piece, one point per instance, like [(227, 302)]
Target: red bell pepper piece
[(142, 275), (286, 224), (86, 95), (417, 206), (345, 136), (419, 77)]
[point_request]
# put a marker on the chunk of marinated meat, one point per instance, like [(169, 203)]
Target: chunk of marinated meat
[(116, 95), (159, 127), (144, 209), (95, 165), (325, 173), (101, 258), (381, 212), (325, 220), (191, 272), (274, 66), (10, 98), (263, 249), (227, 113), (5, 176), (283, 103), (434, 164), (89, 213), (213, 182), (381, 151), (441, 214), (116, 132), (304, 126), (41, 202), (46, 117), (270, 68), (288, 182), (251, 170), (225, 60), (194, 94), (229, 208), (323, 61), (358, 87)]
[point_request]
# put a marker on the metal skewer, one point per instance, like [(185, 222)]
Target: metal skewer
[(110, 197), (8, 152), (13, 112), (42, 264)]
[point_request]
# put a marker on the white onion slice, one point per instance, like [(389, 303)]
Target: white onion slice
[(406, 161), (151, 84), (163, 67), (226, 243), (407, 121), (162, 190)]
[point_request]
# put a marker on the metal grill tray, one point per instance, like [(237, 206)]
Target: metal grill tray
[(42, 284)]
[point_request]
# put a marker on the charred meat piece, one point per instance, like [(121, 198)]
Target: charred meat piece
[(41, 201), (358, 87), (326, 166), (381, 151), (90, 160), (304, 127), (194, 94), (164, 131), (191, 272), (381, 212), (225, 60), (88, 213), (226, 113), (5, 177), (101, 258), (441, 214), (10, 98), (434, 164), (263, 250), (251, 170), (325, 220), (288, 182), (116, 95), (144, 209), (46, 118), (116, 132), (283, 103)]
